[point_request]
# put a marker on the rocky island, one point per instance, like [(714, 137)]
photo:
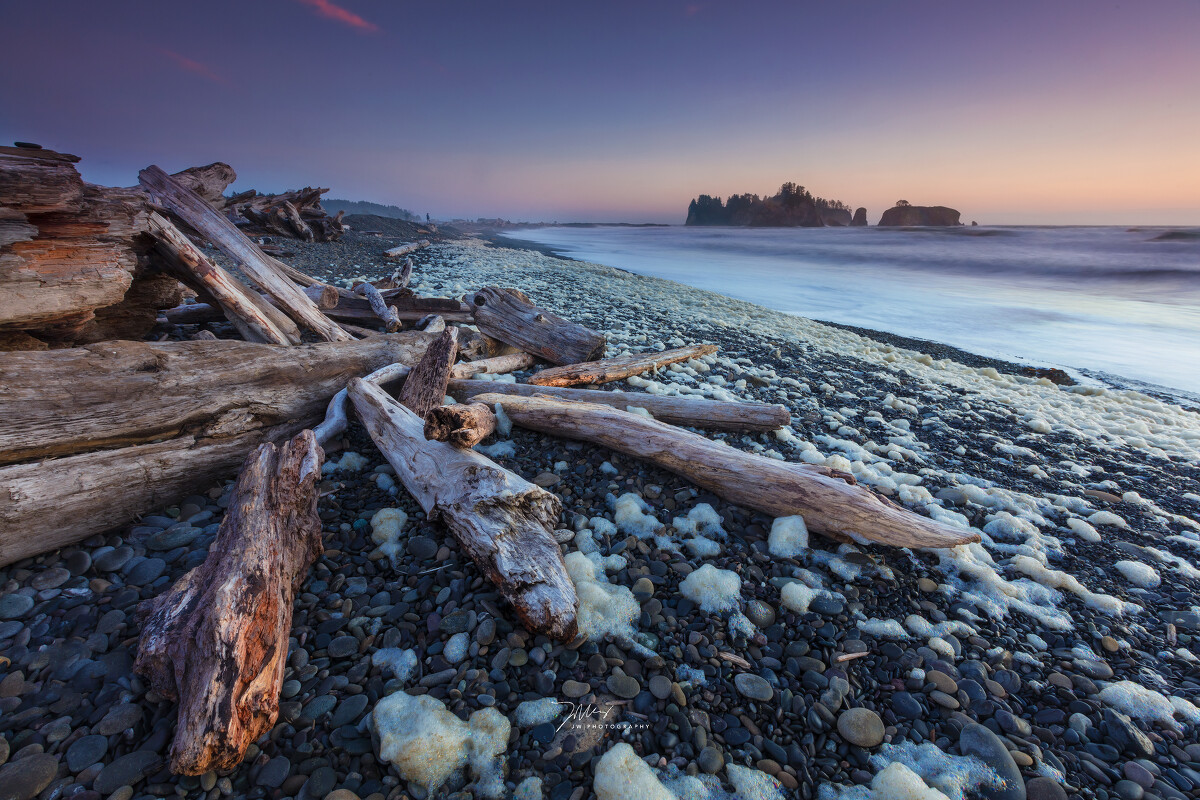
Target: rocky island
[(792, 206), (906, 215)]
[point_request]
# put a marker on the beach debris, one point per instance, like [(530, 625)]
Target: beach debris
[(406, 249), (829, 505), (510, 316), (293, 215), (460, 425), (614, 369), (691, 412), (336, 417), (503, 522), (389, 316), (496, 365), (425, 387), (217, 642), (401, 303), (135, 425)]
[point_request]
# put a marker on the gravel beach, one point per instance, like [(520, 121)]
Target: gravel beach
[(1036, 664)]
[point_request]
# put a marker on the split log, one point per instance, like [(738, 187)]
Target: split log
[(405, 249), (694, 413), (425, 387), (297, 214), (503, 522), (614, 369), (217, 642), (510, 316), (257, 265), (499, 365), (116, 394), (460, 425), (388, 316), (779, 488), (240, 305)]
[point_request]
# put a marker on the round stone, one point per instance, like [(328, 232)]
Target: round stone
[(710, 760), (120, 718), (976, 740), (754, 687), (944, 700), (126, 771), (861, 726), (341, 794), (760, 614), (926, 585), (660, 687), (347, 712), (518, 657), (1128, 790), (50, 578), (342, 647), (624, 686), (575, 689), (86, 751), (643, 588), (146, 572), (24, 778), (321, 781), (113, 560), (1044, 789), (15, 605), (422, 548), (274, 772), (942, 681)]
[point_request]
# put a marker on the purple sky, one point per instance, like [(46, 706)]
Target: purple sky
[(1014, 112)]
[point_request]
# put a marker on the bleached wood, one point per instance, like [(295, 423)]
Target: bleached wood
[(497, 365), (694, 413), (388, 316), (405, 249), (510, 316), (779, 488), (336, 418), (217, 641), (503, 522), (614, 369)]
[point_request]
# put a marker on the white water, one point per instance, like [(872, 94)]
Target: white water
[(1113, 302)]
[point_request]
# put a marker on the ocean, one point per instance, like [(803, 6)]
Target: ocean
[(1113, 304)]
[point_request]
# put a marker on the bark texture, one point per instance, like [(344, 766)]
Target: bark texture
[(510, 316), (460, 425), (425, 387)]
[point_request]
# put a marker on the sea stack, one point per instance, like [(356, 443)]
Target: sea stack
[(904, 215), (860, 218)]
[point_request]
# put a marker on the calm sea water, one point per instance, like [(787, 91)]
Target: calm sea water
[(1116, 303)]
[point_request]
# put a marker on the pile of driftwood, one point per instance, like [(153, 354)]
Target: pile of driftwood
[(97, 433)]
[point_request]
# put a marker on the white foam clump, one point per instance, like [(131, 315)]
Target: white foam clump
[(631, 517), (386, 526), (529, 789), (713, 589), (1108, 518), (882, 628), (349, 462), (918, 772), (1139, 574), (1057, 579), (1083, 530), (400, 663), (1147, 704), (503, 422), (641, 412), (689, 674), (621, 775), (702, 520), (427, 743), (535, 712), (797, 597), (497, 450), (604, 608), (751, 784), (789, 537)]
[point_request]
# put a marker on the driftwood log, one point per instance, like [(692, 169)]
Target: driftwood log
[(497, 365), (336, 417), (503, 522), (405, 249), (460, 425), (407, 307), (389, 316), (257, 265), (614, 369), (828, 504), (296, 215), (694, 413), (510, 316), (324, 295), (217, 642), (425, 387)]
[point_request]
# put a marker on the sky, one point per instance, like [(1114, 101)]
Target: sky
[(1018, 112)]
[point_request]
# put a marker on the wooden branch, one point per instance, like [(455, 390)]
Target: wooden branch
[(217, 642), (460, 425), (115, 394), (778, 488), (257, 265), (185, 261), (402, 276), (694, 413), (503, 522), (336, 420), (425, 388), (357, 309), (510, 316), (615, 369), (498, 365), (388, 316), (405, 249)]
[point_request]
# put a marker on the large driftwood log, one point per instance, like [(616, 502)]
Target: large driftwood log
[(388, 316), (405, 249), (780, 488), (614, 369), (209, 181), (510, 316), (503, 522), (425, 387), (694, 413), (257, 265), (115, 394), (185, 261), (408, 308), (497, 365), (217, 642), (324, 295), (460, 425)]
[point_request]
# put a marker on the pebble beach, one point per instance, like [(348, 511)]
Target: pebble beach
[(730, 654)]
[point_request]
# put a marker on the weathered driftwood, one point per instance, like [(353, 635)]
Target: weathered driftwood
[(431, 323), (695, 413), (296, 275), (405, 249), (297, 214), (324, 295), (503, 522), (116, 394), (460, 425), (614, 369), (829, 505), (425, 387), (408, 308), (185, 261), (336, 417), (388, 316), (257, 265), (209, 181), (192, 314), (217, 642), (497, 365), (510, 316)]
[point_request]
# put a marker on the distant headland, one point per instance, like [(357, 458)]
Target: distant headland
[(793, 206)]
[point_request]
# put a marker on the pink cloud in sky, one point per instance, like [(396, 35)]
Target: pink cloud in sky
[(335, 12), (194, 67)]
